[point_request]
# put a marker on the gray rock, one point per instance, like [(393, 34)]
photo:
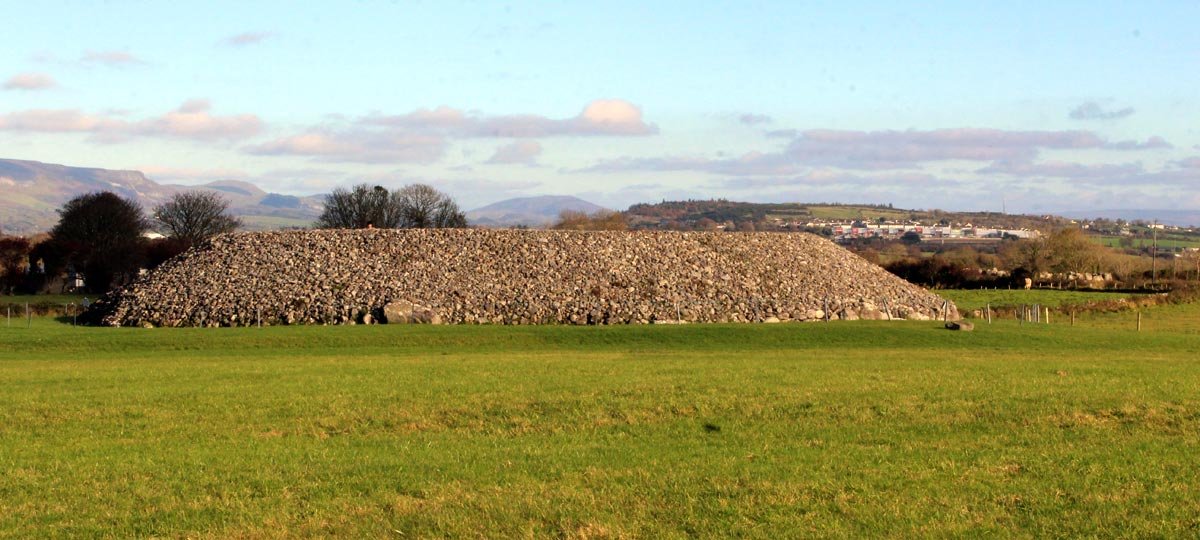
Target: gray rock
[(405, 312), (469, 276)]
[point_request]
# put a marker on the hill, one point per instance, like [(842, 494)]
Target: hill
[(32, 191), (528, 211), (720, 213)]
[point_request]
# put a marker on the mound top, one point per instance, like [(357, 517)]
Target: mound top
[(515, 277)]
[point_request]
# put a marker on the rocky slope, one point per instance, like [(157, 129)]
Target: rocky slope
[(515, 277)]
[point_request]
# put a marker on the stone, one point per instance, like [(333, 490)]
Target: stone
[(478, 276), (963, 326), (405, 312)]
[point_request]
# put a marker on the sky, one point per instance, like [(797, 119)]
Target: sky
[(1026, 107)]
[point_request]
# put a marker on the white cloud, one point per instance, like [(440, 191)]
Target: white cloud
[(247, 38), (30, 81), (191, 121), (612, 117), (1093, 111), (523, 152), (421, 136), (882, 150), (356, 146), (110, 58), (753, 119)]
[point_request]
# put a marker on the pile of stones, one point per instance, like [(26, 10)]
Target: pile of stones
[(480, 276)]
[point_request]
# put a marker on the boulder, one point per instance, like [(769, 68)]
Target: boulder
[(963, 326), (405, 312)]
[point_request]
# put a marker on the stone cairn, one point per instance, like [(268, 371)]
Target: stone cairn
[(480, 276)]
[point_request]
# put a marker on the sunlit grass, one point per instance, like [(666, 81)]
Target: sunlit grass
[(975, 299), (839, 430)]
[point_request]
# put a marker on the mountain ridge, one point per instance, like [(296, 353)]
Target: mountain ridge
[(32, 191), (538, 211)]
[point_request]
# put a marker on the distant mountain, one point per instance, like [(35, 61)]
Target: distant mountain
[(32, 191), (1179, 218), (528, 211)]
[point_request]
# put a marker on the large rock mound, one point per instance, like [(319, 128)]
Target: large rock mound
[(515, 277)]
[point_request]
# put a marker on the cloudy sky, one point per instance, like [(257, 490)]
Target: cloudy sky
[(1030, 106)]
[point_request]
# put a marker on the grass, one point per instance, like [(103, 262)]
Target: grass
[(1162, 243), (839, 430), (36, 299), (868, 213), (975, 299)]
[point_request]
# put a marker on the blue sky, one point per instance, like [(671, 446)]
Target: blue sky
[(1070, 106)]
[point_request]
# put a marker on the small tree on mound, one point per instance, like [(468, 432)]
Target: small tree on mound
[(422, 207), (195, 216), (416, 206)]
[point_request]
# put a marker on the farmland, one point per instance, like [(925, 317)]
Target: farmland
[(834, 430)]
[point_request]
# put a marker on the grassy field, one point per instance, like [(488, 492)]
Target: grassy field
[(1162, 243), (838, 430), (54, 299), (974, 299), (868, 213)]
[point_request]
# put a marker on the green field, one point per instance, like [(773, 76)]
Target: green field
[(1140, 243), (819, 430), (868, 213), (975, 299)]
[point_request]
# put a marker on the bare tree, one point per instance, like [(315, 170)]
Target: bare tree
[(423, 207), (195, 216), (415, 206), (359, 207)]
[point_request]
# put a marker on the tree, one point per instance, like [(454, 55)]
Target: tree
[(422, 207), (359, 207), (415, 206), (195, 216), (14, 259), (101, 233)]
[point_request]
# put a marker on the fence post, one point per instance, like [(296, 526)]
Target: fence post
[(28, 316), (887, 309), (1072, 316), (1047, 315), (10, 316), (1139, 322)]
